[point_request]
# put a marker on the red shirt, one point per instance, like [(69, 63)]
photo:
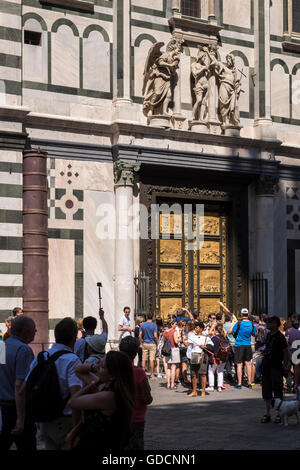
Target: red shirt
[(170, 336), (139, 412)]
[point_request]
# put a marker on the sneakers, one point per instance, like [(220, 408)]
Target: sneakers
[(159, 376), (210, 389), (219, 389), (249, 386), (238, 387)]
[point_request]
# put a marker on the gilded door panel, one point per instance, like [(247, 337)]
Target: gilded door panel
[(170, 251), (170, 280), (168, 306), (207, 306), (209, 280), (211, 225), (170, 224), (210, 253)]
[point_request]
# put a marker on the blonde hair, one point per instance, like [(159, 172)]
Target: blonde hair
[(139, 320), (80, 323)]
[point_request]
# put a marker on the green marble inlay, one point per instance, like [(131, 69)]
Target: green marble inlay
[(7, 60), (261, 33), (65, 10), (149, 11), (285, 16), (11, 291), (66, 90), (11, 190), (12, 87), (279, 62), (153, 26), (11, 217), (67, 22), (10, 34), (78, 215), (59, 214), (7, 167), (11, 268), (36, 17), (95, 27), (11, 243), (237, 42), (120, 51), (78, 193)]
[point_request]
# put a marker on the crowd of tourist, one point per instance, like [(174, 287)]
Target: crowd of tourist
[(78, 395)]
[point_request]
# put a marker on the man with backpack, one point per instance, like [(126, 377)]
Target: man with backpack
[(50, 383), (260, 344), (18, 356), (242, 331)]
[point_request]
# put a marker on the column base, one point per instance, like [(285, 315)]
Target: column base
[(214, 127), (160, 120), (264, 130), (123, 109), (178, 120), (232, 131), (198, 126)]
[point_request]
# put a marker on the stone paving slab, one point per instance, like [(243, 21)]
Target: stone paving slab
[(227, 420)]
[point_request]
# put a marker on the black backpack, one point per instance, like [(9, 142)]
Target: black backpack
[(261, 336), (166, 350), (43, 397)]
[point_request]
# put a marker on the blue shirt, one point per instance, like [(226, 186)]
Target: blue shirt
[(18, 359), (148, 328), (179, 318), (65, 366), (79, 346), (245, 332)]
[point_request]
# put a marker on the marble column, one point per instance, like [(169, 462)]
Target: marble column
[(35, 244), (124, 243), (264, 234), (122, 103), (175, 6), (263, 125), (212, 11)]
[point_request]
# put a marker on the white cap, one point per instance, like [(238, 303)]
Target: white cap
[(244, 311)]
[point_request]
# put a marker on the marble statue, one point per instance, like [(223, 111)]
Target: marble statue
[(229, 91), (200, 72), (160, 78)]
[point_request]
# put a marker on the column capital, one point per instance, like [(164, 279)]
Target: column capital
[(266, 185), (124, 172)]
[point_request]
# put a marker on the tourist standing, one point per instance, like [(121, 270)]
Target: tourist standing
[(130, 346), (55, 431), (16, 427), (170, 335), (124, 324), (148, 339), (229, 323), (197, 342), (218, 365), (274, 364), (160, 343), (243, 331), (90, 325)]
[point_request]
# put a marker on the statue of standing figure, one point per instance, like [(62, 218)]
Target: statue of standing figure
[(229, 91), (160, 78), (200, 72)]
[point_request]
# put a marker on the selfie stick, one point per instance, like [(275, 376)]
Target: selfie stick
[(99, 284)]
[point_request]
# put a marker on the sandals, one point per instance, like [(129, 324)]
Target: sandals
[(265, 419)]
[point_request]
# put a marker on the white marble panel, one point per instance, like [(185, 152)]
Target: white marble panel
[(237, 13), (61, 278), (185, 73), (92, 175), (276, 18), (11, 280), (11, 203), (98, 260), (35, 61), (279, 92), (9, 303), (9, 256), (11, 156), (296, 96), (9, 73), (65, 57), (11, 230), (96, 63), (10, 178), (10, 47), (10, 21), (155, 4)]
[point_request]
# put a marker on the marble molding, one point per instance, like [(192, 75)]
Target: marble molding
[(91, 175), (61, 278)]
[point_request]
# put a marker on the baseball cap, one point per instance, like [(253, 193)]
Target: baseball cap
[(244, 311), (96, 342)]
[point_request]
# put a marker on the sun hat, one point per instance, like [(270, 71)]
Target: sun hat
[(96, 342)]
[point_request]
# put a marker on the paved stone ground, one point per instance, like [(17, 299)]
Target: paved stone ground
[(226, 420)]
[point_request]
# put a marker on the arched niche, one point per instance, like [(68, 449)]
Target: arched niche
[(65, 55)]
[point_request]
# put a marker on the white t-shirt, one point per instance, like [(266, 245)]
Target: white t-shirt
[(124, 323), (195, 343)]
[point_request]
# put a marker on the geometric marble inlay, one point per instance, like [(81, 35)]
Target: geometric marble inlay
[(293, 216)]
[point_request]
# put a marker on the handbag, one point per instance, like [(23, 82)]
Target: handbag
[(166, 350)]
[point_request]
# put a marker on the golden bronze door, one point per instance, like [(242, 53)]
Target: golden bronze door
[(191, 278)]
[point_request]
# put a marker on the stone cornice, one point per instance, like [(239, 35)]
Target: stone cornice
[(84, 5), (194, 30)]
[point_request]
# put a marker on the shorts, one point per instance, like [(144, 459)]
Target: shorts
[(201, 368), (272, 383), (149, 350), (242, 353), (174, 358)]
